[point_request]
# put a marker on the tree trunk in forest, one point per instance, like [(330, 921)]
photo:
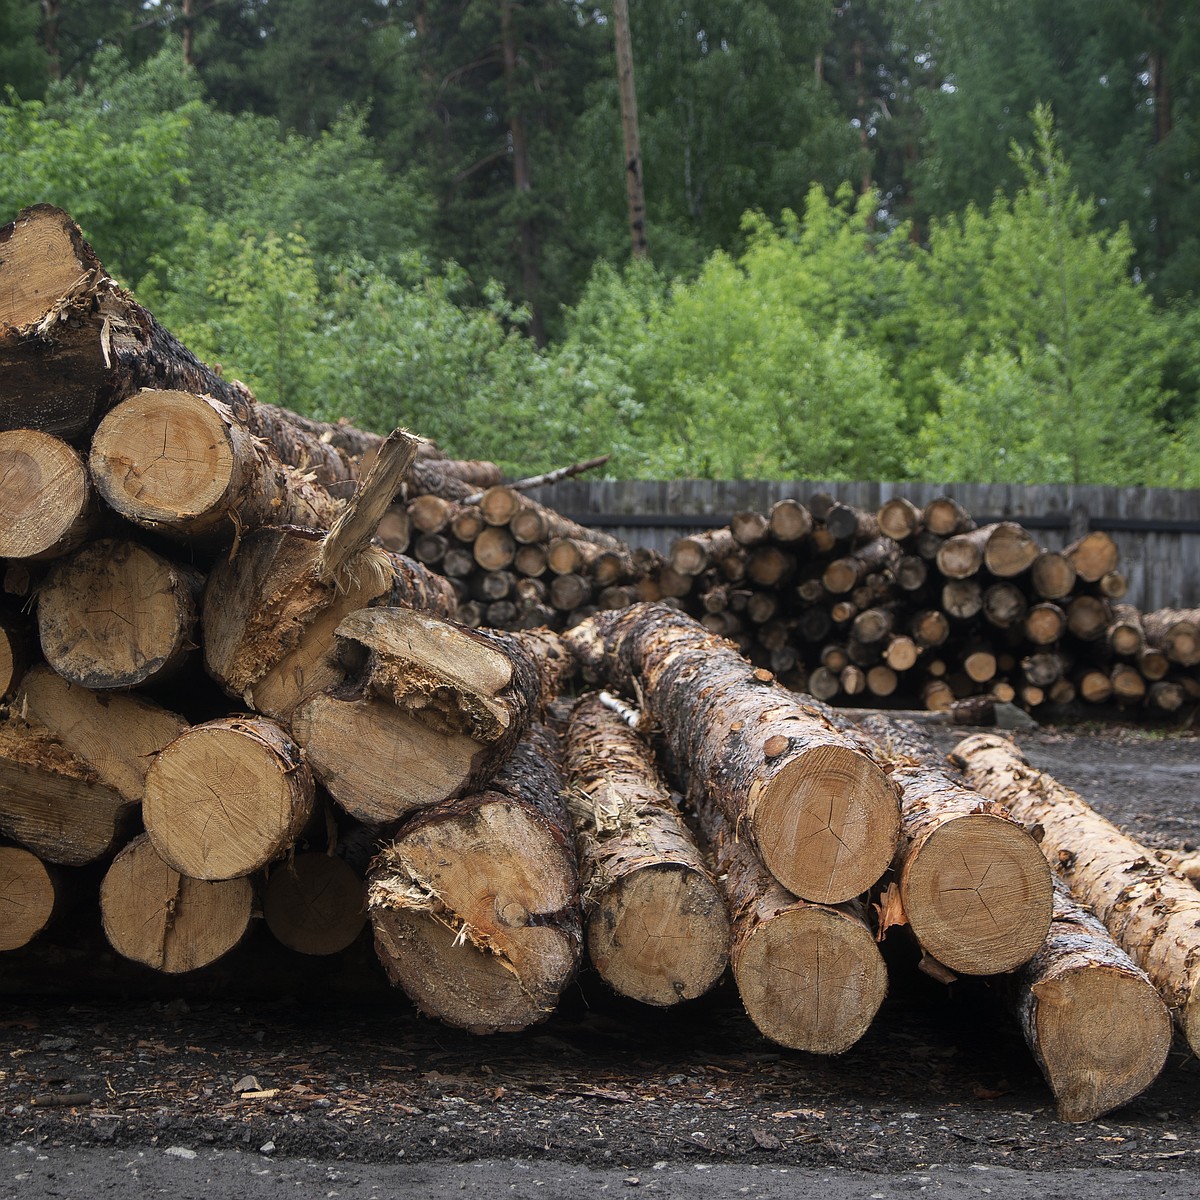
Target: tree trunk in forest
[(475, 902), (168, 921), (46, 507), (227, 797), (116, 615), (635, 192), (182, 465), (973, 884), (657, 930), (822, 815), (1154, 915)]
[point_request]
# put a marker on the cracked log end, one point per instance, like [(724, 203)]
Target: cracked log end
[(978, 895), (156, 916), (826, 823), (45, 499)]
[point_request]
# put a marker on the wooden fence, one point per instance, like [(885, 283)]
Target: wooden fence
[(1157, 530)]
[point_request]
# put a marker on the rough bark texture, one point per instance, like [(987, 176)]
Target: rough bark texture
[(657, 930), (974, 887), (822, 815), (1096, 1026), (475, 904), (1153, 915)]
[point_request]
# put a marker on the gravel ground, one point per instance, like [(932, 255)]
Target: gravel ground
[(942, 1079)]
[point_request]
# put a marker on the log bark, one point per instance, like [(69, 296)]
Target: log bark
[(46, 505), (29, 895), (117, 615), (182, 465), (315, 903), (656, 925), (227, 797), (475, 903), (1093, 1020), (821, 814), (810, 975), (154, 915), (1153, 915), (973, 885), (17, 650)]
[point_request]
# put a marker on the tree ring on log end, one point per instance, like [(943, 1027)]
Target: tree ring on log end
[(43, 495), (26, 897), (811, 978), (826, 824), (660, 934), (315, 904), (979, 895)]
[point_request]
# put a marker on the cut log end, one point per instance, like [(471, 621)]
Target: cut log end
[(44, 258), (27, 897), (827, 823), (44, 495), (315, 904), (1094, 1063), (979, 895), (811, 978), (660, 935)]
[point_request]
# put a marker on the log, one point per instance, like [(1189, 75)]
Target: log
[(227, 797), (962, 598), (117, 615), (973, 885), (656, 925), (17, 649), (475, 904), (29, 895), (1090, 1015), (789, 521), (1153, 915), (845, 574), (488, 479), (271, 609), (1093, 556), (182, 465), (961, 556), (394, 530), (749, 528), (848, 523), (1004, 605), (821, 814), (566, 556), (54, 803), (1176, 632), (494, 548), (1011, 549), (946, 517), (154, 915), (1088, 617), (1052, 575), (694, 554), (1045, 623), (46, 506), (315, 903), (1114, 585), (809, 975), (769, 566)]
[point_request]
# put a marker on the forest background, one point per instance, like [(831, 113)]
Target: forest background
[(888, 239)]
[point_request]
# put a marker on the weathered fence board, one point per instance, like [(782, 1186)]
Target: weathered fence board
[(1157, 530)]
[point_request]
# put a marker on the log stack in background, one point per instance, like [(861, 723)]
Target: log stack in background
[(175, 549)]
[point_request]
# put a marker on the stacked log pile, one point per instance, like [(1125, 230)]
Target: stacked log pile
[(176, 549)]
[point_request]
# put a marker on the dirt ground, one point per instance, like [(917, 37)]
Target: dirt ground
[(942, 1077)]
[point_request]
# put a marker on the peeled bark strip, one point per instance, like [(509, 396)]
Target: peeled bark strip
[(810, 975), (475, 904), (271, 607), (53, 802), (822, 815), (227, 797), (181, 464), (974, 886), (315, 903), (657, 930), (46, 507), (1092, 1018), (84, 721), (28, 897), (1153, 915), (116, 615), (154, 915)]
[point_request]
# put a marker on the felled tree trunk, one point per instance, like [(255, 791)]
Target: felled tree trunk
[(117, 615), (154, 915), (657, 930), (29, 896), (1096, 1026), (431, 709), (1176, 632), (227, 797), (1154, 915), (823, 816), (315, 903), (810, 975), (475, 904), (182, 465), (973, 885), (46, 505)]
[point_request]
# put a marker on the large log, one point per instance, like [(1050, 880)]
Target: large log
[(822, 815), (1092, 1018), (657, 930), (46, 505), (1153, 914), (117, 615), (974, 887), (227, 797), (181, 464), (475, 904)]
